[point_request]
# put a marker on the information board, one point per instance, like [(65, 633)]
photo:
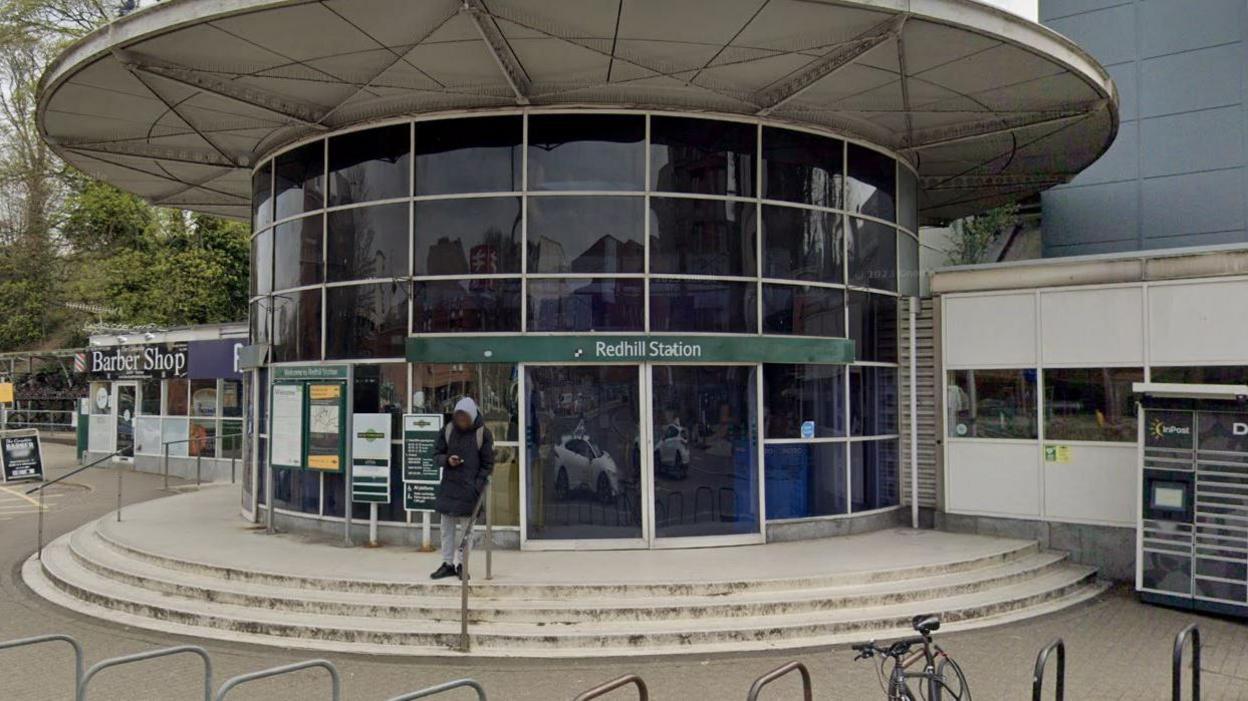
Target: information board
[(286, 434), (420, 475), (21, 457), (370, 458), (326, 425)]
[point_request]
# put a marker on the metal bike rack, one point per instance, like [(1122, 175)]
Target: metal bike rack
[(643, 694), (807, 690), (150, 654), (1042, 660), (79, 660), (433, 690), (284, 669), (1176, 666)]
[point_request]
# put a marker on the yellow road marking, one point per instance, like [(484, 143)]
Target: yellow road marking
[(19, 495)]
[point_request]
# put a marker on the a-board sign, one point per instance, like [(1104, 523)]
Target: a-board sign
[(21, 457), (370, 458), (420, 475)]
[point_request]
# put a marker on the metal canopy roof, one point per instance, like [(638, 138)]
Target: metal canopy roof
[(177, 102)]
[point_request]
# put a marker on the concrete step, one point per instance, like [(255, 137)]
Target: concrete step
[(642, 591), (63, 578), (572, 606)]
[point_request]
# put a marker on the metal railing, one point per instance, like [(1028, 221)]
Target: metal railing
[(199, 456), (21, 418), (334, 678), (643, 694), (1042, 660), (124, 452), (808, 693), (465, 542), (1176, 663), (150, 654), (79, 659), (441, 688)]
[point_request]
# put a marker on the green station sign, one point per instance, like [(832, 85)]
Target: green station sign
[(629, 348)]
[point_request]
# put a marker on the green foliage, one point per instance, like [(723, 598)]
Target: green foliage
[(973, 236)]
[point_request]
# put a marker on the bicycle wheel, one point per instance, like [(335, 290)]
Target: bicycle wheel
[(950, 682)]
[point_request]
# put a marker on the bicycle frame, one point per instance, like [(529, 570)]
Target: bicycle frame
[(899, 689)]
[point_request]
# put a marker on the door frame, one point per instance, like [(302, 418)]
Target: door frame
[(117, 385), (646, 446)]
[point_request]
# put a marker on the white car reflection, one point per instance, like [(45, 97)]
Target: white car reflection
[(672, 451), (579, 464)]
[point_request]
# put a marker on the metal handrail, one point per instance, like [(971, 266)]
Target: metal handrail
[(465, 644), (643, 694), (335, 680), (782, 670), (164, 456), (150, 654), (44, 485), (1176, 667), (440, 688), (1042, 660), (40, 488), (79, 659)]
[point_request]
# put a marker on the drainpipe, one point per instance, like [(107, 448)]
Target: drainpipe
[(914, 419)]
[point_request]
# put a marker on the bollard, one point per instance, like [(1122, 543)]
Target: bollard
[(233, 467), (199, 461), (164, 460), (40, 554), (120, 473)]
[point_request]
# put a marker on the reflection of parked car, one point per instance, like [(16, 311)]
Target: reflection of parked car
[(580, 464), (671, 455)]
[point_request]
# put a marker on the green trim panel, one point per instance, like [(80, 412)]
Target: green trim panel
[(629, 348)]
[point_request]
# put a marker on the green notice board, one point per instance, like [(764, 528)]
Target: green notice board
[(308, 417), (420, 475)]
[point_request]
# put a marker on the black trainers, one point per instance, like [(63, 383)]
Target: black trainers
[(446, 570), (459, 572)]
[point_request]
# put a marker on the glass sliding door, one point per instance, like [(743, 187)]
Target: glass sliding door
[(704, 421), (583, 461)]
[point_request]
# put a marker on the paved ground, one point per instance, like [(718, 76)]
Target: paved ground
[(1118, 649)]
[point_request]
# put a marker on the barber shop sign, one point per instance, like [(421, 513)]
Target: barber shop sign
[(161, 360)]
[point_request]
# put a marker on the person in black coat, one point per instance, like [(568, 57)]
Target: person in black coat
[(465, 453)]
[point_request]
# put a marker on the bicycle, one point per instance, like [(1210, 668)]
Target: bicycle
[(942, 677)]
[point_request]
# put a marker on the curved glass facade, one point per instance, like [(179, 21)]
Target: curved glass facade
[(601, 222)]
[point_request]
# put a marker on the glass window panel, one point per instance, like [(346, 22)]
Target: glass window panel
[(908, 264), (1090, 404), (803, 244), (803, 311), (177, 397), (702, 156), (436, 388), (801, 167), (203, 397), (594, 304), (441, 306), (991, 403), (587, 152), (702, 237), (1211, 375), (101, 398), (258, 319), (873, 473), (203, 438), (262, 263), (298, 490), (297, 253), (872, 254), (467, 236), (708, 306), (299, 180), (175, 432), (380, 388), (262, 197), (873, 326), (586, 234), (232, 398), (147, 435), (231, 440), (297, 326), (872, 183), (149, 397), (370, 165), (368, 242), (481, 154), (795, 394), (907, 199), (872, 400), (366, 321), (805, 479), (505, 486)]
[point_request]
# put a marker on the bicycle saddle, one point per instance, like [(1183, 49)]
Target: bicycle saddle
[(925, 625)]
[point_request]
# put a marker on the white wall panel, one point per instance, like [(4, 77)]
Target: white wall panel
[(994, 478), (986, 331), (101, 430), (1097, 485), (1198, 322), (1095, 326)]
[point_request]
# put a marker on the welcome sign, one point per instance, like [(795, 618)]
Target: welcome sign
[(155, 361), (636, 348)]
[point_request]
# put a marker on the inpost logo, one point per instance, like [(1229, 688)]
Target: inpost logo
[(1159, 429)]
